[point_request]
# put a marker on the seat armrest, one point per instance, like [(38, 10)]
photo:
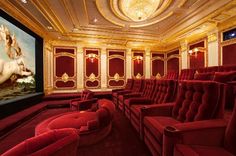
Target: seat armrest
[(123, 92), (86, 104), (164, 109), (139, 101), (131, 95), (76, 99), (117, 90), (205, 133), (154, 110)]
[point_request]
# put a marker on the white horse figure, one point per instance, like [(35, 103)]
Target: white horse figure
[(16, 66)]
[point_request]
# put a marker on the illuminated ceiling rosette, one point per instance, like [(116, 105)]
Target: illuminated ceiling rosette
[(139, 10), (137, 13)]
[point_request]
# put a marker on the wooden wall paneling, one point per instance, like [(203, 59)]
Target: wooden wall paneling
[(92, 65), (64, 68), (116, 67), (138, 66)]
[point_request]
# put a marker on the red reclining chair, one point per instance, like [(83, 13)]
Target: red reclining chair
[(172, 75), (137, 88), (53, 143), (187, 74), (202, 138), (163, 92), (85, 102), (145, 94), (196, 101), (128, 87)]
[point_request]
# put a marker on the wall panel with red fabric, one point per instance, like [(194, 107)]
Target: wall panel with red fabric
[(197, 57), (64, 68), (116, 68), (157, 64), (173, 61), (138, 64), (92, 71), (229, 54)]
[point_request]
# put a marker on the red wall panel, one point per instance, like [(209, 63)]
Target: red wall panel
[(92, 76), (173, 65), (173, 61), (64, 68), (116, 68), (229, 54), (138, 65), (197, 59), (157, 64)]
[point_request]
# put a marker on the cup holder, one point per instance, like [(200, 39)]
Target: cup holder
[(170, 131)]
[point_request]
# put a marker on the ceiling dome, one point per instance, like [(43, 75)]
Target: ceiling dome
[(139, 10)]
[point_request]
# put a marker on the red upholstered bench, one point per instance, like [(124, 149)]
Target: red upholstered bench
[(92, 126), (54, 143)]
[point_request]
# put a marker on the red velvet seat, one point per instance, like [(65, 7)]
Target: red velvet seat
[(149, 85), (163, 92), (212, 137), (137, 88), (128, 87), (84, 102), (172, 75), (196, 101), (59, 142), (187, 74), (92, 126)]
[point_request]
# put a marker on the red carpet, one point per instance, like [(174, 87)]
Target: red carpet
[(123, 139)]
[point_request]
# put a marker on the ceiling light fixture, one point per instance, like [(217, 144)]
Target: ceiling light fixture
[(24, 1), (139, 10), (49, 27), (95, 20)]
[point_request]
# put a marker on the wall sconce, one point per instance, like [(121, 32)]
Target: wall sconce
[(91, 57), (139, 59), (196, 50)]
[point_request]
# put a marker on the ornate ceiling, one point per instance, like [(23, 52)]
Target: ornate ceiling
[(127, 23)]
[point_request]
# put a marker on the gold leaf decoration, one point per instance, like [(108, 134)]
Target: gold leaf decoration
[(65, 77), (117, 77), (138, 76), (92, 77), (158, 76)]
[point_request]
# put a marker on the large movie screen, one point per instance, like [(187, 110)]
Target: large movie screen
[(17, 61)]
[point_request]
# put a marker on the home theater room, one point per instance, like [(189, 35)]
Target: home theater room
[(118, 77)]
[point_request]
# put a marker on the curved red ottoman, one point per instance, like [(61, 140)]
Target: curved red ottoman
[(92, 126), (54, 143)]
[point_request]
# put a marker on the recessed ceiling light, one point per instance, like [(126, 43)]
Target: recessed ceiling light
[(95, 20), (50, 27), (75, 29), (24, 1)]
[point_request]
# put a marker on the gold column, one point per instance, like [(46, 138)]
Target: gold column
[(48, 67), (147, 63), (80, 69), (103, 68), (213, 49), (128, 63), (184, 54)]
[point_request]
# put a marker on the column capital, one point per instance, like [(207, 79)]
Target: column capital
[(183, 45)]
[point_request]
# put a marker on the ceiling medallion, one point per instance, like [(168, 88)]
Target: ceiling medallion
[(137, 13), (139, 10)]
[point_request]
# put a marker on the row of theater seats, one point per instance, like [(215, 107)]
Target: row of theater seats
[(169, 112), (189, 74)]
